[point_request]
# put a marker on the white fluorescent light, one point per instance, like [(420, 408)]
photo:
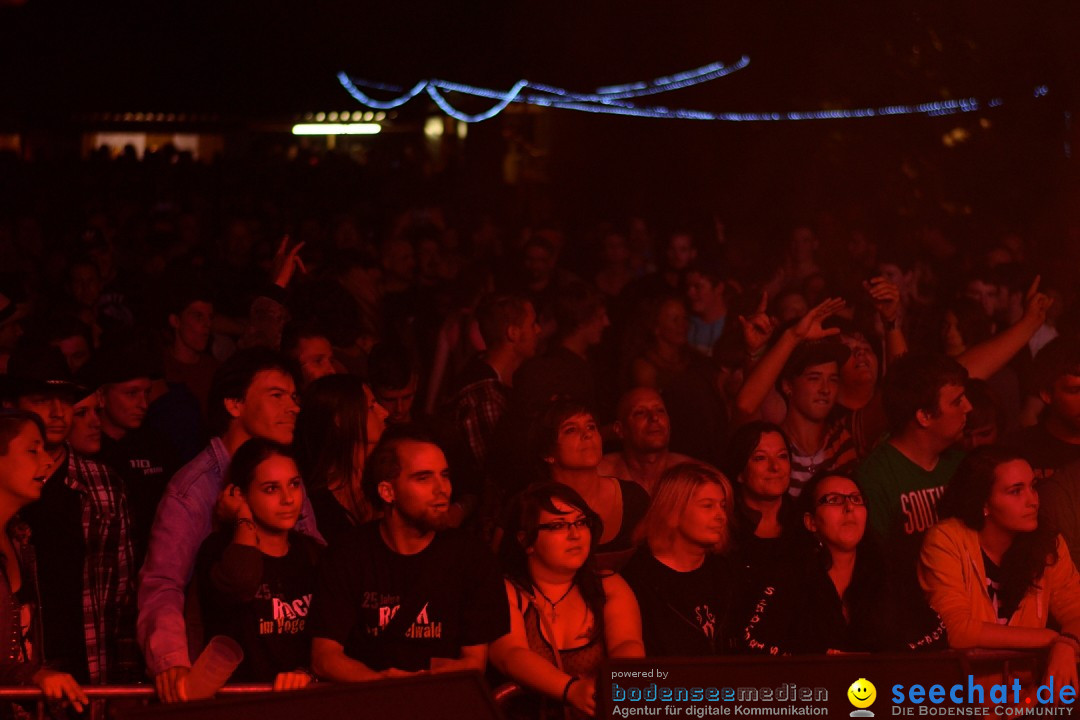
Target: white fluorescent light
[(336, 129)]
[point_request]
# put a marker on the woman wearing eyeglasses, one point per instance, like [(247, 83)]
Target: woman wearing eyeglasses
[(839, 600), (996, 574), (679, 575), (565, 616)]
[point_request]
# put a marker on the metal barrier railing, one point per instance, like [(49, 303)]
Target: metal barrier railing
[(978, 662), (99, 695)]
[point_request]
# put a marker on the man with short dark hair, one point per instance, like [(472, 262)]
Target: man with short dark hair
[(904, 477), (642, 423), (708, 306), (253, 395), (80, 532), (403, 594), (581, 318), (511, 334), (187, 360), (394, 375), (309, 345), (72, 337), (1055, 441)]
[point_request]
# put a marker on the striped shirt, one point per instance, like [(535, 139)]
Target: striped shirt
[(837, 453)]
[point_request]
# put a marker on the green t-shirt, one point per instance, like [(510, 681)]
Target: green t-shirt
[(901, 496)]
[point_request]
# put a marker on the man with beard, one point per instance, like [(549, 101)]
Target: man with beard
[(403, 595), (643, 425)]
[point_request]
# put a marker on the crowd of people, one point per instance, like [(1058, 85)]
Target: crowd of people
[(434, 444)]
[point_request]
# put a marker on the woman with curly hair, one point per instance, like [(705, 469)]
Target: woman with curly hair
[(993, 572)]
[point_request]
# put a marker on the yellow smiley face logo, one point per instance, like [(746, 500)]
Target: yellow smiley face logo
[(862, 693)]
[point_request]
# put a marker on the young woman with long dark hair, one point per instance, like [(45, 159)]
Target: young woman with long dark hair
[(993, 572), (565, 616), (256, 577), (339, 425)]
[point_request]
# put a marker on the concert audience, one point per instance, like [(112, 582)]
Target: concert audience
[(139, 272)]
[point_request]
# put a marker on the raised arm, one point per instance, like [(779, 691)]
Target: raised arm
[(763, 376), (986, 358), (886, 298)]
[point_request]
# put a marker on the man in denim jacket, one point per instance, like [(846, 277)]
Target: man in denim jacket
[(253, 395)]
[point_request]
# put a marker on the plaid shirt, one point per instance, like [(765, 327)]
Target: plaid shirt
[(477, 410), (108, 572)]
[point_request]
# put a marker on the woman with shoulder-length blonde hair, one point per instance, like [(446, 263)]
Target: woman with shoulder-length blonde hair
[(680, 575)]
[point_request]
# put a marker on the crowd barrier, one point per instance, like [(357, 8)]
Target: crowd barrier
[(466, 696)]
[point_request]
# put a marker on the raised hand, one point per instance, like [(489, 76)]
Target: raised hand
[(286, 262), (1036, 303), (759, 327), (232, 505), (809, 327), (886, 297)]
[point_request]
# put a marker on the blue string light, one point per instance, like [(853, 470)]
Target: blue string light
[(380, 104), (479, 117), (613, 99)]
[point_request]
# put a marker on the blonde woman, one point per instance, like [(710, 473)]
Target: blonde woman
[(680, 576)]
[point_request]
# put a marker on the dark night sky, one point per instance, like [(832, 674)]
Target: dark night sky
[(282, 56)]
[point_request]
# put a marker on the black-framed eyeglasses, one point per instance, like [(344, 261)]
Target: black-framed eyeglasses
[(838, 499), (564, 526)]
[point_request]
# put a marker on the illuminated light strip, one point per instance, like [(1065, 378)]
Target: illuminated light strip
[(652, 87), (479, 117), (611, 100), (673, 82), (380, 104), (336, 129), (688, 78)]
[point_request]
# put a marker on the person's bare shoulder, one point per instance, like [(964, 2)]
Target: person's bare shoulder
[(612, 465)]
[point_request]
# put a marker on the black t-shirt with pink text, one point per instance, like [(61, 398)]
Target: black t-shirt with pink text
[(451, 590)]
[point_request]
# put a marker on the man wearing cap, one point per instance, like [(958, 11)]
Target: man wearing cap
[(79, 531), (804, 364), (145, 460)]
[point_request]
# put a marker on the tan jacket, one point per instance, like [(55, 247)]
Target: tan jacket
[(952, 574)]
